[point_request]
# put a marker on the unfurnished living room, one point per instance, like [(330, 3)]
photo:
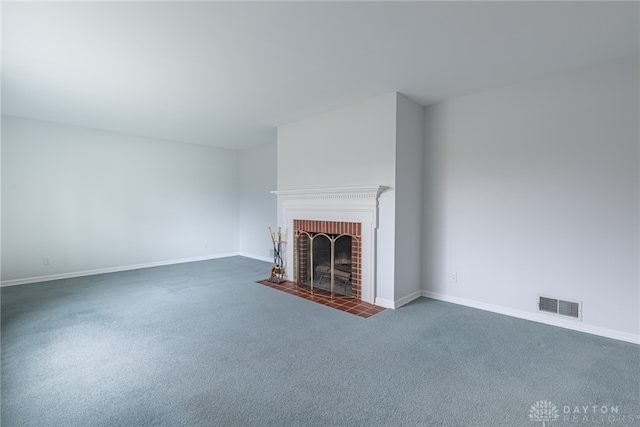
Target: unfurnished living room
[(320, 213)]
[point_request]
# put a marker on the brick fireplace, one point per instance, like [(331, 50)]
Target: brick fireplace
[(335, 211), (328, 257)]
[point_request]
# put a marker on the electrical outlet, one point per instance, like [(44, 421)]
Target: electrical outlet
[(46, 260), (453, 277), (271, 252), (205, 245)]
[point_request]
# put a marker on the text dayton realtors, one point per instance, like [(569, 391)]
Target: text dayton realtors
[(595, 413)]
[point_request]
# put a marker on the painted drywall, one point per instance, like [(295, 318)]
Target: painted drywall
[(91, 200), (258, 207), (350, 146), (409, 199), (534, 189)]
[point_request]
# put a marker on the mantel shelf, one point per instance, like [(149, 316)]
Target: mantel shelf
[(367, 192)]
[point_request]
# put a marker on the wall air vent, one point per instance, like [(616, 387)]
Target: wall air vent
[(560, 307)]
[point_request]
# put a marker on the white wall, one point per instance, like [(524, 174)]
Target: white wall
[(534, 189), (350, 146), (353, 145), (94, 200), (258, 210), (409, 199)]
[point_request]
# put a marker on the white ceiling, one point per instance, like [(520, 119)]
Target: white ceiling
[(227, 73)]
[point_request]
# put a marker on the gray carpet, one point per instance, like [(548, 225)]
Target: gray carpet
[(202, 344)]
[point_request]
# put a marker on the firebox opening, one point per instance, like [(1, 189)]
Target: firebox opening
[(322, 268), (327, 257)]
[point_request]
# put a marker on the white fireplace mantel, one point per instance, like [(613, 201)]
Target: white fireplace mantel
[(333, 193), (343, 204)]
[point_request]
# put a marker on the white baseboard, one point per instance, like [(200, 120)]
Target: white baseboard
[(258, 257), (70, 275), (535, 317), (381, 302), (399, 302), (406, 300)]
